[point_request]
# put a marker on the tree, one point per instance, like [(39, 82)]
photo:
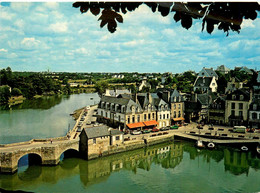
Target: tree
[(101, 86), (16, 92), (225, 16), (4, 94)]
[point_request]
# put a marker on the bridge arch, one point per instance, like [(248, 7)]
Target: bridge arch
[(33, 158), (68, 153)]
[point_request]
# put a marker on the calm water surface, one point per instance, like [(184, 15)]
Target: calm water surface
[(169, 167), (41, 118)]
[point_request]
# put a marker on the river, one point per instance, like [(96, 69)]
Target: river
[(41, 118), (170, 167)]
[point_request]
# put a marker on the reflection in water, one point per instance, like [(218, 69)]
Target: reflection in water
[(167, 157)]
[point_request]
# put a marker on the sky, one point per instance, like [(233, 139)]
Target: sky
[(57, 37)]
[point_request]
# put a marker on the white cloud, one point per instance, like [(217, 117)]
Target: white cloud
[(6, 15), (59, 27), (82, 51), (51, 5), (21, 7), (247, 23), (3, 50), (30, 43)]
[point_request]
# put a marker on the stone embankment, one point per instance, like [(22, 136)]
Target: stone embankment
[(132, 145)]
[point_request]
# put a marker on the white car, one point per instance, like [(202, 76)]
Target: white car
[(136, 132), (88, 107)]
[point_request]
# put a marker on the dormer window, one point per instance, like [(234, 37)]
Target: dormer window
[(254, 107), (241, 97), (233, 97)]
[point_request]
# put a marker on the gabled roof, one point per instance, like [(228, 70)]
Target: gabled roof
[(203, 99), (177, 95), (203, 82), (99, 131), (208, 72), (237, 94), (245, 69)]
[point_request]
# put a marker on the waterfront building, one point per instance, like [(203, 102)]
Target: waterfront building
[(163, 111), (98, 140), (133, 111), (236, 107), (205, 84), (254, 114), (118, 112), (205, 100), (208, 72), (217, 111), (223, 69), (176, 102)]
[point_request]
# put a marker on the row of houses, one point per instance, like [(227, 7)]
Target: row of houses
[(142, 110)]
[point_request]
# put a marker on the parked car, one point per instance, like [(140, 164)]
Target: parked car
[(136, 132), (155, 130), (174, 127), (88, 107), (163, 129), (146, 131)]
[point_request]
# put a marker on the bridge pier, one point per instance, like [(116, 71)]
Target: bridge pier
[(7, 163)]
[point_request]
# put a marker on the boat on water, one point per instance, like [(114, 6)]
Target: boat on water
[(211, 145), (199, 144), (244, 148)]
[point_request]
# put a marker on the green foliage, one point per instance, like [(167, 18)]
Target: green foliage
[(16, 92), (101, 87), (4, 94)]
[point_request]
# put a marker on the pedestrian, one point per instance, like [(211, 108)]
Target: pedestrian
[(51, 140)]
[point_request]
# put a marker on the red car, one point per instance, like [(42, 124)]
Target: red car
[(155, 130)]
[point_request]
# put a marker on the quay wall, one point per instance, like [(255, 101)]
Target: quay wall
[(129, 145)]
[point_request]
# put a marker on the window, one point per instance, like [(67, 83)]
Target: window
[(233, 97), (119, 118), (240, 113), (160, 117), (179, 106), (101, 113), (117, 137), (133, 118), (144, 116), (174, 106), (153, 115), (233, 105), (94, 141), (254, 115), (233, 113), (179, 114), (106, 114), (133, 109), (167, 116), (128, 119), (254, 107), (240, 105), (174, 114), (241, 97), (138, 118), (149, 116), (163, 116)]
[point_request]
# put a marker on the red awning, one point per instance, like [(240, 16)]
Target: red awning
[(179, 119), (149, 123), (135, 125)]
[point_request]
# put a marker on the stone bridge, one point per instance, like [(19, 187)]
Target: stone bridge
[(47, 152)]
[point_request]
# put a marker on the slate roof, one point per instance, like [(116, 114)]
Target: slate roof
[(99, 131), (208, 72), (203, 99), (115, 132), (199, 82), (176, 94), (237, 94), (115, 100)]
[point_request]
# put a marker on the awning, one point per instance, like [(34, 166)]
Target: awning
[(135, 125), (179, 119), (149, 123)]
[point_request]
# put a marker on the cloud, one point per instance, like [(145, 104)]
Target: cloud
[(30, 43), (59, 27), (3, 50)]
